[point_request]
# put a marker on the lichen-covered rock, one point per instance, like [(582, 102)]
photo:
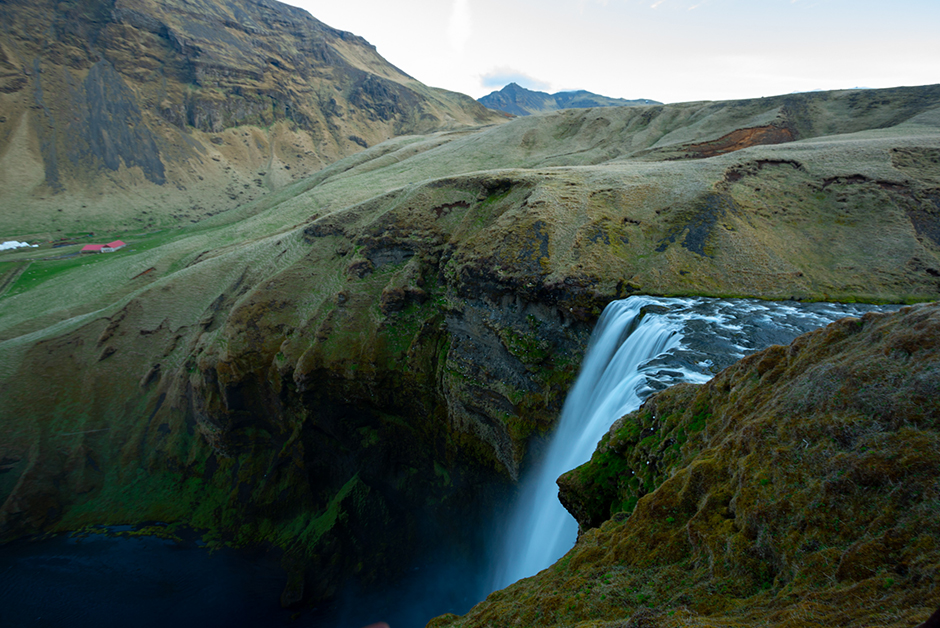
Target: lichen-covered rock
[(801, 485)]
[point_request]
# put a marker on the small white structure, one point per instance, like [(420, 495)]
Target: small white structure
[(13, 244)]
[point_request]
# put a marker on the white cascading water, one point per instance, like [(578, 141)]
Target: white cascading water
[(625, 355), (540, 529)]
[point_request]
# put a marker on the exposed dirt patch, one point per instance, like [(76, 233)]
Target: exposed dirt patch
[(741, 138), (141, 274)]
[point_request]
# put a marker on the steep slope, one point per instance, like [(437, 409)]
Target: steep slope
[(133, 113), (355, 366), (520, 101), (799, 487)]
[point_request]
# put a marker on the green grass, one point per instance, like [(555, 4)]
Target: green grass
[(43, 270), (279, 286)]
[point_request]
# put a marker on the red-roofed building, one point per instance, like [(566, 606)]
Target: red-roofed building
[(110, 247)]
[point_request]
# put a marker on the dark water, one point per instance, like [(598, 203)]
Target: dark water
[(105, 581)]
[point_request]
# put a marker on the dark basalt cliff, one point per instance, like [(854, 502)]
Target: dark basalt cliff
[(802, 482), (180, 100), (373, 398)]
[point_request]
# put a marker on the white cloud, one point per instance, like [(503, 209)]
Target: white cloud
[(582, 3)]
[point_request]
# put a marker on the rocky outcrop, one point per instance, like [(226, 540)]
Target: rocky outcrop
[(177, 100), (799, 485)]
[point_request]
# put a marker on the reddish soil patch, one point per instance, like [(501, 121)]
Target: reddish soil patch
[(742, 138)]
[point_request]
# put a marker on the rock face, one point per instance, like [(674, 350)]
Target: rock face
[(800, 484), (181, 99), (388, 412), (355, 366), (520, 101)]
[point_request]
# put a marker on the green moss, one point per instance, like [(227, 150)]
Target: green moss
[(629, 432), (520, 427), (150, 496), (370, 436), (495, 197), (526, 346), (304, 530), (442, 473), (701, 415)]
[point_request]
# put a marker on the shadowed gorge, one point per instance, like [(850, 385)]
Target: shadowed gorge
[(797, 482), (351, 306)]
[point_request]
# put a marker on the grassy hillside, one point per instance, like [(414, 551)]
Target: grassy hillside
[(850, 214), (356, 362), (135, 114)]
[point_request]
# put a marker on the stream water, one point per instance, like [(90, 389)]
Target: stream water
[(640, 345)]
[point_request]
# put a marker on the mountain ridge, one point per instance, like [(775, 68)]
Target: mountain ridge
[(177, 100), (519, 101)]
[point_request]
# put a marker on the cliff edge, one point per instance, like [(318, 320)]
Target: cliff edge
[(799, 486)]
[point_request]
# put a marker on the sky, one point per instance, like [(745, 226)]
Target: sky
[(665, 50)]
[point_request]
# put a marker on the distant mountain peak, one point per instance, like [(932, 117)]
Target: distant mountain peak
[(517, 100)]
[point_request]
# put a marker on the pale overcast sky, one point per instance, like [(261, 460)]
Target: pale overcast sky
[(666, 50)]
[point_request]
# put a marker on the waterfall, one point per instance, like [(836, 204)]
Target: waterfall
[(540, 530), (633, 350)]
